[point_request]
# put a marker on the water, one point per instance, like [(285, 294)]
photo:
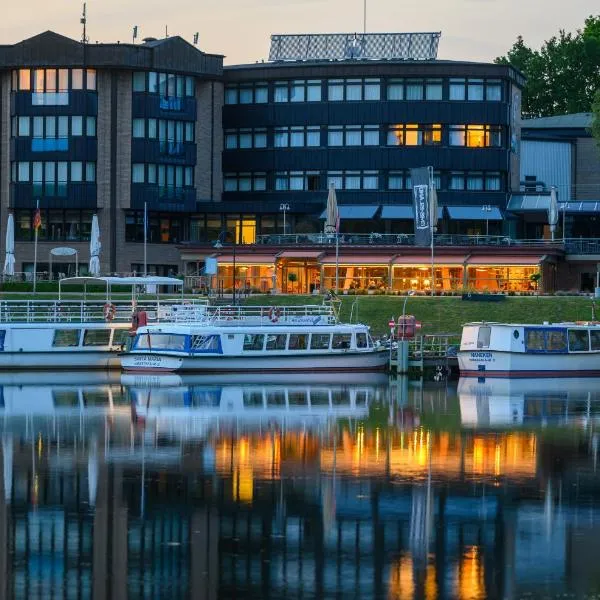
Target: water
[(235, 487)]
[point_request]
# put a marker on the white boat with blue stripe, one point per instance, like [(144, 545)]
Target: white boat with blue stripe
[(520, 350), (264, 339)]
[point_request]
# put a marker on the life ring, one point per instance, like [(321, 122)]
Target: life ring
[(109, 311), (274, 314)]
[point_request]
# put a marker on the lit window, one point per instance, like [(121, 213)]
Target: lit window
[(24, 79), (475, 136), (414, 137)]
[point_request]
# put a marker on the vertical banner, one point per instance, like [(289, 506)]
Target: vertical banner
[(420, 187)]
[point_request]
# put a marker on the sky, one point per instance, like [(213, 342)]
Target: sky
[(476, 30)]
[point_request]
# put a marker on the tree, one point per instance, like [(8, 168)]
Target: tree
[(563, 76), (596, 113)]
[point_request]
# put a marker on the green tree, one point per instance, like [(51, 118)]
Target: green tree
[(596, 113), (563, 75)]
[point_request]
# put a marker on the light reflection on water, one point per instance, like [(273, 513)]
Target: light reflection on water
[(308, 487)]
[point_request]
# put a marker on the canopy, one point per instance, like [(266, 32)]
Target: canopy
[(585, 207), (397, 211), (355, 211), (474, 213), (507, 260), (529, 203)]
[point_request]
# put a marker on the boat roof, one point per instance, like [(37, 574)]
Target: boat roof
[(114, 281), (558, 324), (241, 328)]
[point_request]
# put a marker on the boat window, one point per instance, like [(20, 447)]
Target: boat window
[(160, 341), (595, 339), (65, 397), (276, 398), (276, 342), (253, 398), (369, 341), (579, 340), (66, 337), (96, 337), (319, 397), (361, 398), (341, 341), (338, 397), (483, 337), (253, 341), (120, 337), (319, 341), (95, 397), (201, 396), (206, 343), (298, 341), (297, 397), (361, 340), (2, 338), (534, 340), (556, 341)]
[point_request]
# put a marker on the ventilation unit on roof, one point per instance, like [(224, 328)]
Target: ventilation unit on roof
[(149, 39)]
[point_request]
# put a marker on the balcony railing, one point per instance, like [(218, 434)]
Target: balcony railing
[(582, 246), (60, 144), (171, 148)]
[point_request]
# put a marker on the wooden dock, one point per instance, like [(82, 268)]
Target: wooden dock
[(428, 351)]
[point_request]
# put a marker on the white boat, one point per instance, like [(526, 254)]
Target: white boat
[(84, 334), (518, 350), (265, 340)]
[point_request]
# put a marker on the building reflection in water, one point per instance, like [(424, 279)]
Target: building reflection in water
[(176, 490)]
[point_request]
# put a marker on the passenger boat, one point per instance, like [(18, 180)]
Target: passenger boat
[(518, 350), (264, 339), (85, 334)]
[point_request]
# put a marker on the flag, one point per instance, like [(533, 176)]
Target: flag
[(37, 219), (421, 204)]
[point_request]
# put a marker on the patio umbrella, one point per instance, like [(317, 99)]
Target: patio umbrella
[(433, 203), (553, 211), (95, 246), (333, 215), (9, 261)]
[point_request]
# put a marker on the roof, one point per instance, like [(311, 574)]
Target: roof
[(114, 281), (573, 121)]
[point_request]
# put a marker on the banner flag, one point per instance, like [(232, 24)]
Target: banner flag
[(420, 186)]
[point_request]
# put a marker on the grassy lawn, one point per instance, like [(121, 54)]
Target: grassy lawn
[(447, 314)]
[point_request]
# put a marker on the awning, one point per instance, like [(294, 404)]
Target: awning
[(506, 260), (474, 213), (300, 254), (355, 211), (587, 207), (529, 202), (420, 261), (403, 211), (379, 259), (247, 259)]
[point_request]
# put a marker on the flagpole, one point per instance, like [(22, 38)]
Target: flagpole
[(35, 244), (145, 239), (431, 221), (337, 254)]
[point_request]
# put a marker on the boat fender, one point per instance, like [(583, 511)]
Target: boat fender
[(109, 311), (274, 314)]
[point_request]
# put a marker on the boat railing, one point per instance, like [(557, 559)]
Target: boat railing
[(90, 311), (310, 314)]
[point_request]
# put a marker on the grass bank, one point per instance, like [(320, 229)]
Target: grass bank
[(447, 314)]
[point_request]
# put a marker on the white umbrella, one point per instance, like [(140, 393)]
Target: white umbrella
[(433, 203), (553, 211), (333, 216), (9, 261), (95, 246)]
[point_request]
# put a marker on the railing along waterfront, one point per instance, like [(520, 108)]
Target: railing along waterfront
[(309, 314)]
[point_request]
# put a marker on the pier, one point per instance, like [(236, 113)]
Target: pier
[(425, 351)]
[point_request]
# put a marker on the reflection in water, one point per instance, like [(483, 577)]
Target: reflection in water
[(179, 487)]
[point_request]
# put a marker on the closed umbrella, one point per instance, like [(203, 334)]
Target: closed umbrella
[(433, 203), (95, 247), (553, 211), (333, 215), (9, 261)]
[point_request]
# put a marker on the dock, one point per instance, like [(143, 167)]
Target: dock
[(425, 351)]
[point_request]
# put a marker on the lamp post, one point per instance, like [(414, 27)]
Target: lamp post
[(486, 208), (284, 207), (218, 245)]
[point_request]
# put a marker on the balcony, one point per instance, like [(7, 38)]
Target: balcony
[(163, 197), (169, 148), (50, 98), (50, 144), (163, 151), (152, 106), (56, 194)]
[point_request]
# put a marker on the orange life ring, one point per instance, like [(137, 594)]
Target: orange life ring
[(109, 311), (274, 314)]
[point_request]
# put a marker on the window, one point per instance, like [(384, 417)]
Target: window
[(96, 337), (595, 339), (66, 338), (313, 91), (493, 91), (341, 341), (335, 90), (457, 89), (534, 340), (138, 128), (206, 343), (433, 89), (137, 173), (246, 95), (244, 182), (578, 340), (160, 341), (353, 89), (493, 182), (483, 337), (281, 91), (476, 136), (23, 127), (76, 126), (372, 89), (414, 135), (319, 341), (475, 180), (313, 136), (139, 81), (261, 94), (298, 341), (276, 342), (476, 90), (353, 180), (231, 95), (556, 341), (24, 79), (395, 89), (361, 340), (414, 90), (297, 180), (353, 135)]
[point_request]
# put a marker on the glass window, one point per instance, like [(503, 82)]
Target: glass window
[(139, 81), (38, 127), (90, 126), (556, 341), (38, 80), (319, 397), (189, 131), (261, 95), (371, 136), (63, 127), (229, 183), (475, 136), (96, 337), (319, 341), (76, 125), (50, 127), (253, 341), (281, 138), (76, 171), (138, 128), (297, 91), (353, 136), (579, 340), (281, 92), (457, 135), (151, 174), (90, 171), (162, 341), (246, 95), (433, 90), (281, 182), (297, 397), (189, 86), (296, 180), (395, 136), (275, 398), (260, 182), (352, 180), (492, 182), (493, 91), (313, 136), (370, 180), (432, 135), (413, 136), (534, 340), (297, 137), (153, 82), (354, 90), (152, 128), (23, 127), (66, 337), (276, 342), (395, 90), (23, 171), (24, 79), (231, 95), (361, 340), (395, 181), (245, 182), (313, 91), (335, 136), (474, 181), (77, 79), (245, 139), (51, 82), (298, 341), (372, 90), (137, 173), (335, 91), (595, 339), (91, 79), (414, 90), (457, 89), (457, 181), (341, 341), (475, 89), (231, 141)]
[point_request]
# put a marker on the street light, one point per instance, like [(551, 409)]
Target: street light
[(487, 209), (284, 207), (218, 245)]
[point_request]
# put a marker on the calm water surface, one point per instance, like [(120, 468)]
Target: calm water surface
[(336, 486)]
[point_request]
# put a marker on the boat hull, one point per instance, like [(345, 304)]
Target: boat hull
[(76, 359), (492, 363), (348, 361)]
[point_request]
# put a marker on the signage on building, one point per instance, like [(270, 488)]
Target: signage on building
[(63, 251)]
